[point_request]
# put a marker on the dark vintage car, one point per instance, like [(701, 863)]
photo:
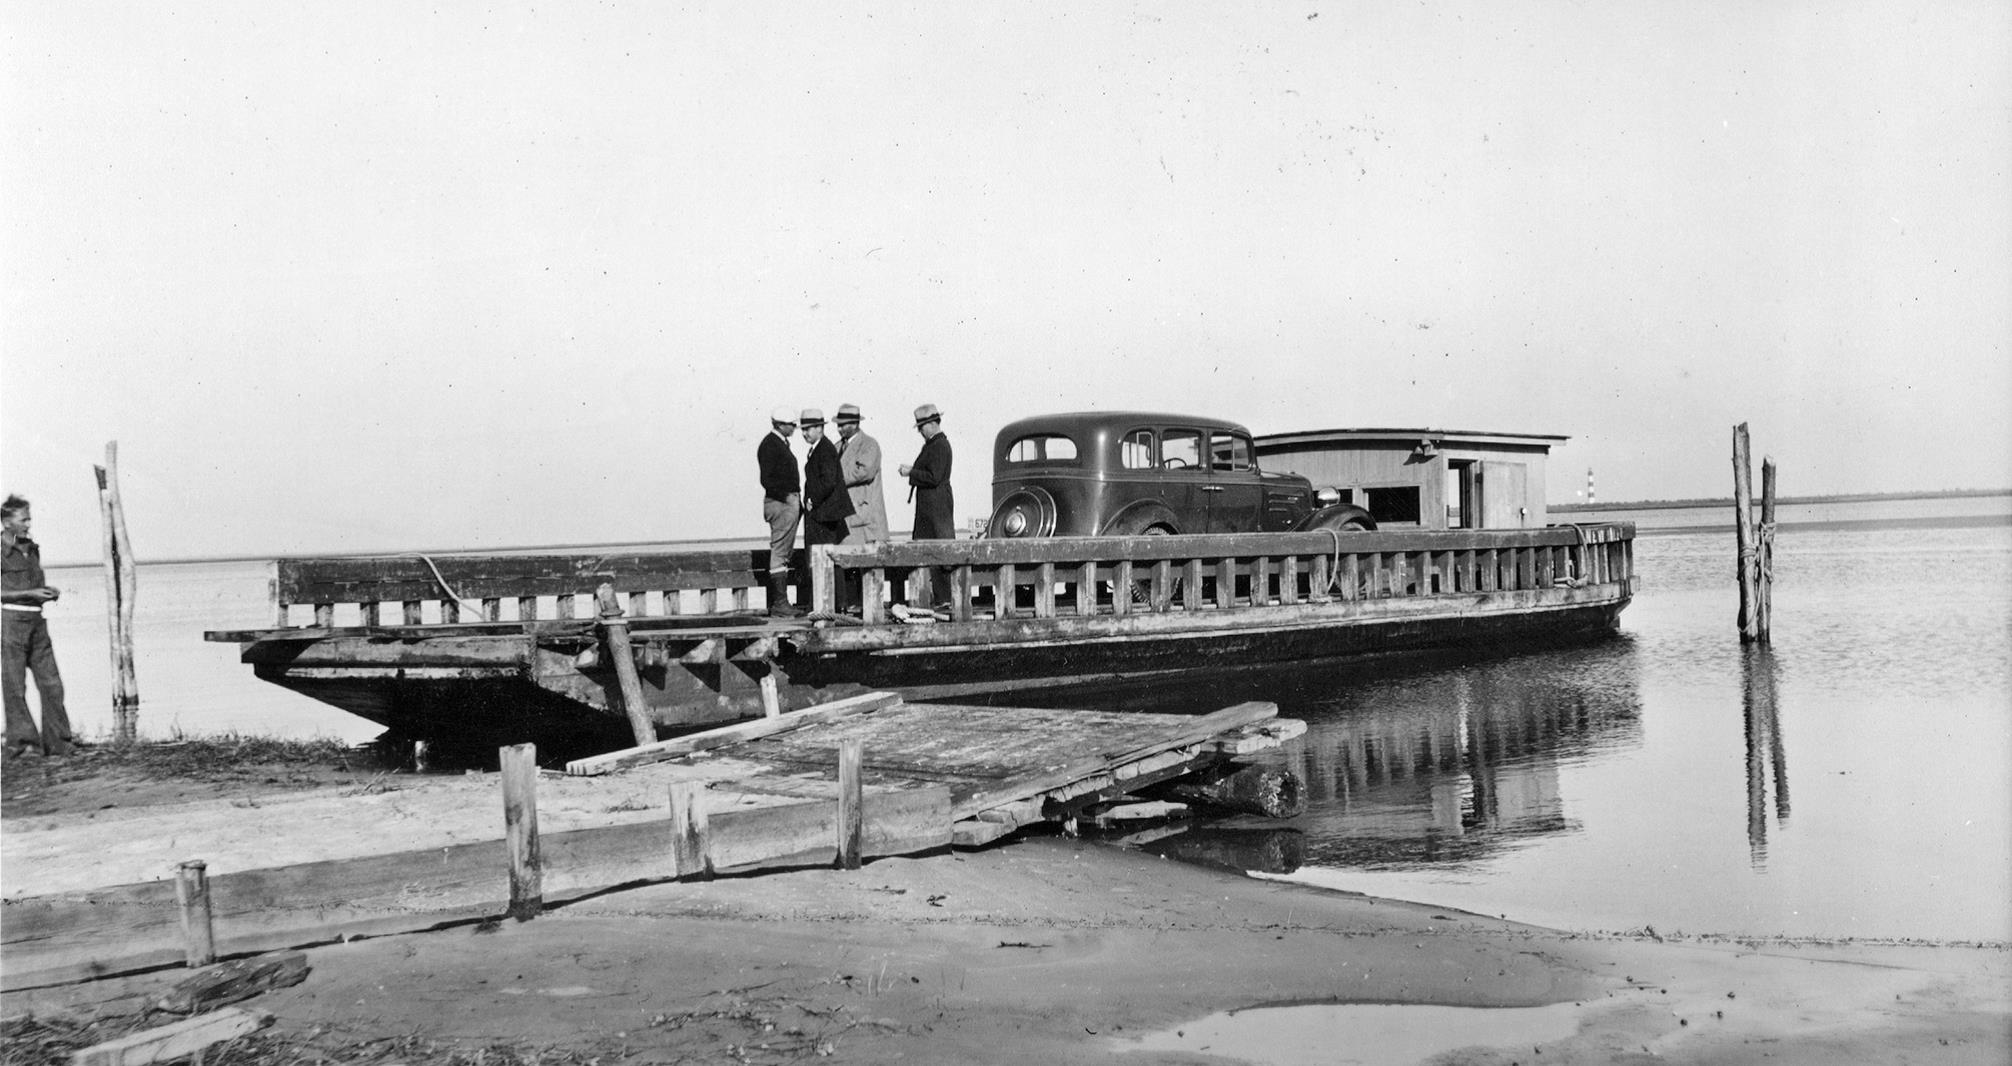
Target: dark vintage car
[(1124, 473)]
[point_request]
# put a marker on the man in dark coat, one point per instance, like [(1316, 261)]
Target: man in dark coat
[(781, 506), (935, 510), (826, 503)]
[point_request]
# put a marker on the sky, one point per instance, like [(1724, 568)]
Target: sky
[(385, 277)]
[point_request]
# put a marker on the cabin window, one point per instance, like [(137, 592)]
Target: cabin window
[(1394, 506), (1135, 452), (1231, 453), (1042, 448), (1181, 449)]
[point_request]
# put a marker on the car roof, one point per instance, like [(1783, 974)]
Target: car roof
[(1085, 423)]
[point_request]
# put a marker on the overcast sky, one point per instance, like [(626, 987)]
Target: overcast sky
[(383, 277)]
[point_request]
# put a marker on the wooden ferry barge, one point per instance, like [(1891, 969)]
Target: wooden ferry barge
[(506, 648)]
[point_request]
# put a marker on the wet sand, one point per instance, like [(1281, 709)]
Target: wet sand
[(1046, 949)]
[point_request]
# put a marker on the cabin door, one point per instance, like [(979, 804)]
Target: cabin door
[(1505, 495)]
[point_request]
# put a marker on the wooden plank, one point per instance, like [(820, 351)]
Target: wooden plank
[(1121, 587), (192, 900), (1195, 731), (873, 596), (739, 731), (1044, 590), (1320, 584), (233, 981), (689, 831), (1005, 590), (1288, 580), (1226, 582), (1163, 584), (474, 576), (892, 823), (174, 1040), (1191, 585), (1086, 589), (709, 650)]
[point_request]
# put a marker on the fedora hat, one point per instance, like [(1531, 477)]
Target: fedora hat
[(927, 413), (847, 412), (812, 416), (783, 415)]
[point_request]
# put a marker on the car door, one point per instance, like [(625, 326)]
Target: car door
[(1234, 490), (1184, 472)]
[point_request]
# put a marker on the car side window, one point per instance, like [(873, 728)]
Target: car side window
[(1230, 453), (1135, 452), (1181, 449)]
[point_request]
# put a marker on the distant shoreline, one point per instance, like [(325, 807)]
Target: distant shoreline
[(1555, 509), (1727, 501)]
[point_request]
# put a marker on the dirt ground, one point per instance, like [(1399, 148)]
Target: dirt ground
[(1045, 949)]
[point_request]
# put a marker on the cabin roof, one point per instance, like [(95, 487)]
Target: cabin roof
[(1442, 437)]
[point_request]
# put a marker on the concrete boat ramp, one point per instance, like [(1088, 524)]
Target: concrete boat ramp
[(866, 776)]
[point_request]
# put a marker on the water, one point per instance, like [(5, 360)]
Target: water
[(1856, 780)]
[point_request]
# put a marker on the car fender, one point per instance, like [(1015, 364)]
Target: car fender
[(1137, 517), (1336, 516)]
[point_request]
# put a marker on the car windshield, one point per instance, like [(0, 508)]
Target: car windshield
[(1042, 448)]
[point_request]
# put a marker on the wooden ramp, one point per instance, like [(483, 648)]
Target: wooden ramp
[(1002, 767), (772, 792)]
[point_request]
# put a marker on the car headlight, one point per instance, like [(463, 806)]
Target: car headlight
[(1327, 497)]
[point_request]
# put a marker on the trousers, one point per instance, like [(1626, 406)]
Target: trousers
[(28, 651)]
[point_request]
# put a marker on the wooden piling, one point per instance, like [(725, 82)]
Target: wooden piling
[(688, 832), (520, 829), (192, 895), (121, 587), (1743, 531), (851, 825), (1764, 556), (615, 630)]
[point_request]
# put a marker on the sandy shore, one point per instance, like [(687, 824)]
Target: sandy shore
[(1043, 950)]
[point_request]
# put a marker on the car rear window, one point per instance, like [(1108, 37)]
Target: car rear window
[(1230, 453), (1042, 448)]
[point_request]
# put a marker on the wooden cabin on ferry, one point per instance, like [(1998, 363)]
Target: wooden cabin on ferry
[(1423, 478)]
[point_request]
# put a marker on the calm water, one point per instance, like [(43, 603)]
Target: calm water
[(1856, 780)]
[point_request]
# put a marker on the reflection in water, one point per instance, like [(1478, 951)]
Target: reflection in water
[(1764, 749), (1450, 766)]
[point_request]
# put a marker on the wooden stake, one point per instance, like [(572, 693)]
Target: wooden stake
[(771, 699), (121, 587), (851, 824), (177, 1040), (1743, 530), (689, 833), (1764, 556), (615, 629), (192, 894), (520, 830)]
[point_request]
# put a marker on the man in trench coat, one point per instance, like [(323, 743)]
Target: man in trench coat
[(859, 456)]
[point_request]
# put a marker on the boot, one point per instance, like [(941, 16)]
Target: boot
[(778, 597)]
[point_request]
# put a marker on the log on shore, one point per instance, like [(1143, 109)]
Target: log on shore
[(1263, 790)]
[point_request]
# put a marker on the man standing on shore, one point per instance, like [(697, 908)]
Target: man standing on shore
[(781, 506), (935, 510), (23, 591)]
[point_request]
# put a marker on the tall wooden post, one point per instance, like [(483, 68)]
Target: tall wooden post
[(121, 588), (1764, 556), (520, 829), (1743, 528)]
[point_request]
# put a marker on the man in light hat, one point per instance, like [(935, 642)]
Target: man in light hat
[(781, 506), (859, 456), (826, 504), (929, 483)]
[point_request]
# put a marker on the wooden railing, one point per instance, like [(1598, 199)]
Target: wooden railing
[(1043, 578), (1083, 576), (427, 589)]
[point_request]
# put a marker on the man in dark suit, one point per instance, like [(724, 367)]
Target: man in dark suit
[(826, 503), (935, 510), (781, 506)]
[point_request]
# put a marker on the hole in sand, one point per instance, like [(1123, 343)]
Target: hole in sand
[(1334, 1033)]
